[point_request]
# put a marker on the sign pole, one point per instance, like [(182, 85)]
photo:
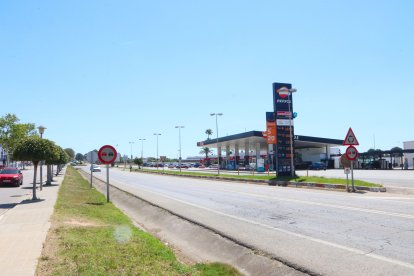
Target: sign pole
[(91, 175), (347, 183), (107, 182), (352, 176)]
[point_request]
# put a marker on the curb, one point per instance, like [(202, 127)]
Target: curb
[(281, 183)]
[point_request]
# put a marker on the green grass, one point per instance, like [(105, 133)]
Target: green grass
[(92, 237), (313, 179)]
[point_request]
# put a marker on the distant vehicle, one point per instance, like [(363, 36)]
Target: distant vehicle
[(213, 166), (171, 166), (11, 176), (95, 168), (317, 166), (183, 166)]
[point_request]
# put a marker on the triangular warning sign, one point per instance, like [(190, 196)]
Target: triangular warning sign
[(350, 139)]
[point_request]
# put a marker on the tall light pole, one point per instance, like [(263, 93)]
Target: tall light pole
[(157, 134), (41, 131), (179, 144), (290, 91), (218, 155), (131, 148), (142, 149)]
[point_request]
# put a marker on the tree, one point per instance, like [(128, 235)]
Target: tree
[(11, 132), (34, 149), (70, 152), (206, 151), (79, 157), (53, 159), (209, 132), (138, 161)]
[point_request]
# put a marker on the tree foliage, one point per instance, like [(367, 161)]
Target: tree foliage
[(70, 152), (79, 157), (34, 149), (206, 151), (138, 161), (11, 132), (209, 132)]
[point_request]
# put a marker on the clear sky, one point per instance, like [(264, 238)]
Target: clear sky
[(111, 72)]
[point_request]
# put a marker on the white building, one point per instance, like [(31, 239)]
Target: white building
[(409, 157)]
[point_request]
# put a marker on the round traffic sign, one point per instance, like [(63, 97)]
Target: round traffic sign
[(351, 153), (107, 154)]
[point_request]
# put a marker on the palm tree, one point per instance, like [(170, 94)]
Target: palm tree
[(209, 132), (206, 151)]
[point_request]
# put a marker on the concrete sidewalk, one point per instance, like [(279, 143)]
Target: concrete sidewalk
[(23, 230)]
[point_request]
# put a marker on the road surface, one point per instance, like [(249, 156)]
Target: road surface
[(333, 233)]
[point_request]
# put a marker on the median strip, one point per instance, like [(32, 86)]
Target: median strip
[(92, 237), (297, 182)]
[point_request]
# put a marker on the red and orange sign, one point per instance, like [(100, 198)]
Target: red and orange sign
[(270, 132)]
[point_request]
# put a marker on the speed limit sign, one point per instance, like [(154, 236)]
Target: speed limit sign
[(351, 153)]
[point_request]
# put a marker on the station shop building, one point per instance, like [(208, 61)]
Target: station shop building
[(245, 149), (272, 149)]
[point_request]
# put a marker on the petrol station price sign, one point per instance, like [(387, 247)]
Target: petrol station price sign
[(107, 154)]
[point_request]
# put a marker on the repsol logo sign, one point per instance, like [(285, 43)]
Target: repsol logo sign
[(283, 101)]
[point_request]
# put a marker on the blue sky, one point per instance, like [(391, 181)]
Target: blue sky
[(111, 72)]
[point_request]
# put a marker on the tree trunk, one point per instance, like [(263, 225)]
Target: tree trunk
[(51, 173), (34, 180), (48, 173)]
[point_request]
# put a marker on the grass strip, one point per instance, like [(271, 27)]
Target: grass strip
[(91, 237), (312, 179)]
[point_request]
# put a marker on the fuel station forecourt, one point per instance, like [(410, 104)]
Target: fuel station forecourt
[(278, 148)]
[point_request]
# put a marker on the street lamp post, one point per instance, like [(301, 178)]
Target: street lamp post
[(131, 148), (179, 144), (218, 155), (157, 134), (41, 131), (290, 91), (142, 149)]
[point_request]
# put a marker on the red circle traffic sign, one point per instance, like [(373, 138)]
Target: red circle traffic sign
[(107, 154), (351, 153)]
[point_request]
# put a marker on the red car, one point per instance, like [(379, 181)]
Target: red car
[(11, 176)]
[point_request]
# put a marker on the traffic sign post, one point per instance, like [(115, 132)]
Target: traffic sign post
[(350, 139), (351, 152), (107, 155)]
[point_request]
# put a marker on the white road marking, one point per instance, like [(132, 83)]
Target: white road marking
[(378, 212), (346, 248)]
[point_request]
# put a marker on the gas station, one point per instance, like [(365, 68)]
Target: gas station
[(277, 148)]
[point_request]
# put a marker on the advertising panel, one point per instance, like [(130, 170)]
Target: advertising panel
[(283, 108), (270, 128)]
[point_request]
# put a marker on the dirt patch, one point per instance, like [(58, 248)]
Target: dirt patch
[(81, 223), (48, 259)]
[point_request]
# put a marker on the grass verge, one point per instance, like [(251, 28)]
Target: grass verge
[(313, 179), (91, 237)]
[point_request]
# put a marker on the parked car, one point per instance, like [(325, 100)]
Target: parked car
[(183, 166), (317, 166), (95, 168), (11, 176)]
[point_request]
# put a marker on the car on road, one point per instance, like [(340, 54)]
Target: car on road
[(11, 176), (95, 168), (317, 166)]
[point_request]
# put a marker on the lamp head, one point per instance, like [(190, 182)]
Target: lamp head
[(41, 129)]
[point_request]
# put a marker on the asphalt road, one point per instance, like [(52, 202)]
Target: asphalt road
[(10, 196), (388, 178), (326, 232)]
